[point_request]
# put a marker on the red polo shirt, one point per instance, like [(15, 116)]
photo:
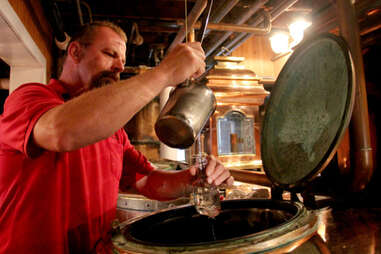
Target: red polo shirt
[(57, 202)]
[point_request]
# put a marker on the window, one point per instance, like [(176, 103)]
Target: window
[(235, 134)]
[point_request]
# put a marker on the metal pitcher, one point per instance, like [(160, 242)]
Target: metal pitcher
[(185, 114), (188, 108)]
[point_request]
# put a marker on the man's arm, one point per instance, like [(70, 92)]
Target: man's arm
[(167, 185), (97, 114)]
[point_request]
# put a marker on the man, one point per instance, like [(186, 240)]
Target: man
[(63, 150)]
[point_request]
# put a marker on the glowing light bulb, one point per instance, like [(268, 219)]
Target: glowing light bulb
[(279, 42), (297, 30)]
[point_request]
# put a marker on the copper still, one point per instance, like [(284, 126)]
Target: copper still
[(234, 128)]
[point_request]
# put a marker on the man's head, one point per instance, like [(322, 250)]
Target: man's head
[(95, 55)]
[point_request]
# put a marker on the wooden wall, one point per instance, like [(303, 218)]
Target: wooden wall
[(259, 56), (141, 130)]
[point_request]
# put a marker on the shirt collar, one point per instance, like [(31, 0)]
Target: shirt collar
[(60, 88)]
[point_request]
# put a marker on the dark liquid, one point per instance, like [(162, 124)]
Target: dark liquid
[(211, 222), (186, 226)]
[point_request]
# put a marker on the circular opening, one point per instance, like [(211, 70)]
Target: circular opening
[(184, 226)]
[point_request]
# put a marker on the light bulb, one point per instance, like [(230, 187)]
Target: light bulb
[(279, 42), (297, 30)]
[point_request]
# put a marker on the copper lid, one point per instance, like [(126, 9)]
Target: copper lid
[(308, 111)]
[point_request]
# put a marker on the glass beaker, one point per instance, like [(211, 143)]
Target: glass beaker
[(205, 196)]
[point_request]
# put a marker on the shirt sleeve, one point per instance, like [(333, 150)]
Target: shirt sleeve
[(22, 109), (135, 165)]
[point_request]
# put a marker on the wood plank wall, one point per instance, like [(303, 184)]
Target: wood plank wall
[(259, 56)]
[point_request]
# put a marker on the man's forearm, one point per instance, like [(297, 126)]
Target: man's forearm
[(96, 114), (166, 185)]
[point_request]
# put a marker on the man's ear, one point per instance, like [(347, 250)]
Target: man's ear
[(75, 51)]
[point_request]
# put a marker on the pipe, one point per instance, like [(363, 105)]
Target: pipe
[(235, 28), (129, 42), (79, 10), (250, 12), (221, 12), (359, 126), (205, 21), (228, 46), (250, 177), (239, 39), (284, 6), (195, 13), (89, 12)]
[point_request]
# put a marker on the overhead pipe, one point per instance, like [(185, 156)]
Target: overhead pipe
[(213, 44), (283, 7), (236, 28), (89, 12), (79, 10), (230, 45), (221, 12), (359, 126), (195, 13), (239, 39)]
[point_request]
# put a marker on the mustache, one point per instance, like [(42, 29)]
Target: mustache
[(103, 78), (109, 74)]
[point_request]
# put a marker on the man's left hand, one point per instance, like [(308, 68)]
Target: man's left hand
[(216, 173)]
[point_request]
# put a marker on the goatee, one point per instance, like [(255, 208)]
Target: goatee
[(104, 78)]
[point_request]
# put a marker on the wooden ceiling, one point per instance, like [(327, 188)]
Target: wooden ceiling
[(159, 21)]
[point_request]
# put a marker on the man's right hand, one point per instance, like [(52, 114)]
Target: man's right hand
[(186, 60)]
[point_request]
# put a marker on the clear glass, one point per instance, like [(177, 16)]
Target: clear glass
[(235, 134), (205, 196)]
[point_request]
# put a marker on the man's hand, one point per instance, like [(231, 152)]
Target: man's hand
[(168, 184), (216, 173), (186, 60)]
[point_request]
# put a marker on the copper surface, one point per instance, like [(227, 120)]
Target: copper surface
[(363, 159), (278, 238), (252, 177), (350, 230), (236, 89)]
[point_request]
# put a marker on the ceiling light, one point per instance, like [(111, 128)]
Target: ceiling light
[(297, 30), (279, 42)]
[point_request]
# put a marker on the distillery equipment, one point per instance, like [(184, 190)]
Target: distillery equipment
[(306, 117)]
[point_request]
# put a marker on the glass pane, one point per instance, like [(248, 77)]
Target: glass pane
[(235, 134)]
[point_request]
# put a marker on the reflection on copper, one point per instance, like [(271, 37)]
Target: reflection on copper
[(322, 231), (323, 215), (320, 244), (242, 164), (372, 12)]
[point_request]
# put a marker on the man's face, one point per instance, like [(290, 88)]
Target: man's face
[(103, 60)]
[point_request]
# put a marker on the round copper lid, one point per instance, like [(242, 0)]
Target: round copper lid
[(308, 111)]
